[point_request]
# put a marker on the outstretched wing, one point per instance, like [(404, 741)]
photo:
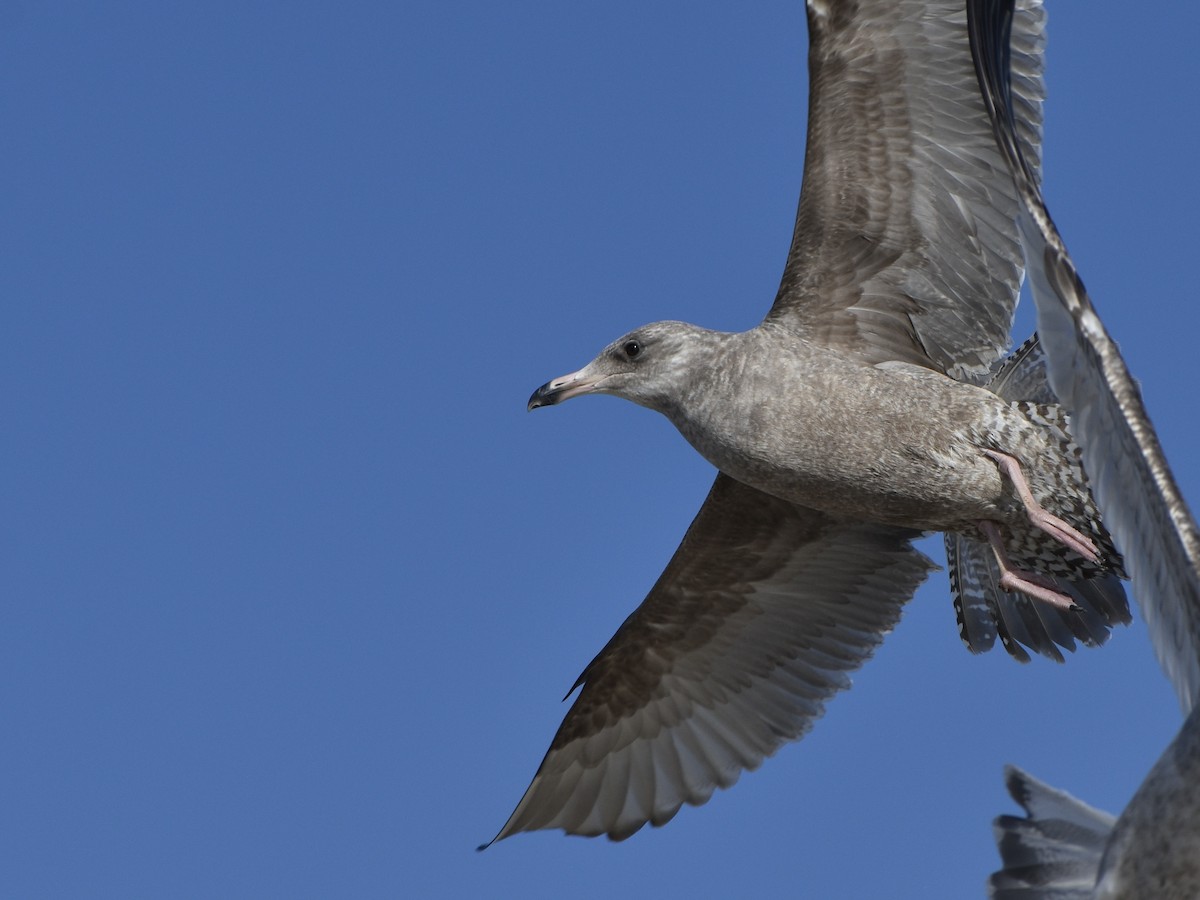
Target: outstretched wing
[(754, 624), (905, 245), (1130, 479)]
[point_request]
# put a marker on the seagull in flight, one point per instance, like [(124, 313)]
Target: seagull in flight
[(872, 405)]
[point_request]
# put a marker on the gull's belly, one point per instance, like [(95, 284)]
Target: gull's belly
[(881, 447), (907, 485)]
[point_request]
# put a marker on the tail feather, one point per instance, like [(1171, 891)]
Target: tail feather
[(1054, 852), (974, 606), (985, 611)]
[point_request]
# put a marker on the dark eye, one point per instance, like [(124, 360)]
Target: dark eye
[(632, 349)]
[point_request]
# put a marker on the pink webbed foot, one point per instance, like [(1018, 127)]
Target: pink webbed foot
[(1061, 531), (1028, 583)]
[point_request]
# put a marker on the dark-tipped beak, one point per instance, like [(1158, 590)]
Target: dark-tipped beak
[(561, 389)]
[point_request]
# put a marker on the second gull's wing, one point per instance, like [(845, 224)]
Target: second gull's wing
[(1130, 479), (1054, 851), (1064, 849)]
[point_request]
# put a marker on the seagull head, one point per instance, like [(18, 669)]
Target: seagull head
[(650, 366)]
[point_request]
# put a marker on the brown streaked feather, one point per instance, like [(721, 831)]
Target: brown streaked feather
[(757, 620), (985, 611), (904, 247)]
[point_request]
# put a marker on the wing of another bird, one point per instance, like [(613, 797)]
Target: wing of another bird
[(754, 624), (1130, 479), (1063, 848), (1054, 851), (905, 246)]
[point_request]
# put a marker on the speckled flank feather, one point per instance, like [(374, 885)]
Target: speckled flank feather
[(984, 611), (1065, 492)]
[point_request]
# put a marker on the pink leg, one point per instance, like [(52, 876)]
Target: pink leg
[(1062, 532), (1028, 583)]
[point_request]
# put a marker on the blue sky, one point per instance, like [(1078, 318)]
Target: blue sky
[(293, 585)]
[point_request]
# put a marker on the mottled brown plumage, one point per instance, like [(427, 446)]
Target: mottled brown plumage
[(843, 426)]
